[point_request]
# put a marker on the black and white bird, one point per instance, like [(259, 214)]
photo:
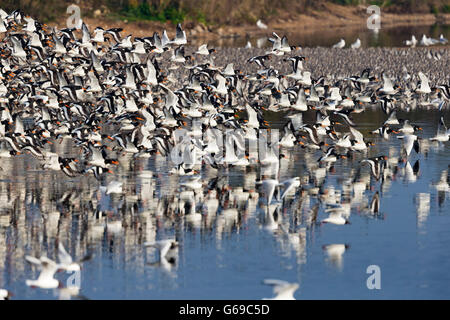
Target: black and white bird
[(376, 165)]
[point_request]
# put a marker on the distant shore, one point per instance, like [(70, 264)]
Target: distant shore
[(335, 16)]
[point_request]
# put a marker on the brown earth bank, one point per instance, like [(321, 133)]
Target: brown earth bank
[(328, 16)]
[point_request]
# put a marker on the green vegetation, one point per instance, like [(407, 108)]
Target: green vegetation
[(404, 6), (44, 10), (209, 12), (146, 11)]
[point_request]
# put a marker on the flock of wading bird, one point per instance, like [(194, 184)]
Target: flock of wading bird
[(116, 99)]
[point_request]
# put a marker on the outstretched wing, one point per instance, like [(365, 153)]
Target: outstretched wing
[(63, 256)]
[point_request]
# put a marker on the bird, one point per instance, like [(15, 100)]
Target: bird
[(356, 44), (183, 145), (340, 44), (410, 141), (335, 216), (203, 50), (112, 187), (5, 294), (412, 43), (289, 185), (283, 290), (46, 278), (66, 262), (443, 133), (331, 156), (268, 186), (180, 36), (259, 60), (164, 247), (376, 165), (424, 85), (407, 127), (261, 25), (335, 253)]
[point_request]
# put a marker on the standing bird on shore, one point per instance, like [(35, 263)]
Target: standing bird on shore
[(356, 44), (340, 44), (412, 43), (260, 24)]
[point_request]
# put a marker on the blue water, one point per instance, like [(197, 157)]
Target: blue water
[(221, 259)]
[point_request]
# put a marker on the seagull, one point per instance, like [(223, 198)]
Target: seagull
[(261, 25), (388, 86), (410, 141), (335, 215), (392, 119), (442, 134), (289, 185), (164, 247), (112, 187), (180, 36), (5, 294), (375, 164), (412, 43), (407, 127), (268, 187), (335, 252), (284, 290), (340, 44), (193, 183), (46, 278), (424, 85), (66, 262), (203, 50), (356, 44)]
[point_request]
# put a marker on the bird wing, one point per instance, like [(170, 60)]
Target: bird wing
[(63, 256), (357, 135), (33, 260), (165, 247), (86, 35), (275, 282)]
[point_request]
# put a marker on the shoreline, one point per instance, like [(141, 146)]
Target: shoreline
[(329, 16)]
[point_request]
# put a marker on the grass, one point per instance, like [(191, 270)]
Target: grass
[(209, 12), (144, 11)]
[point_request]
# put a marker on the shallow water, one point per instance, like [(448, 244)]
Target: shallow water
[(225, 256), (385, 37)]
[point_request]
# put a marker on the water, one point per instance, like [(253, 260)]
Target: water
[(385, 37), (225, 256)]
